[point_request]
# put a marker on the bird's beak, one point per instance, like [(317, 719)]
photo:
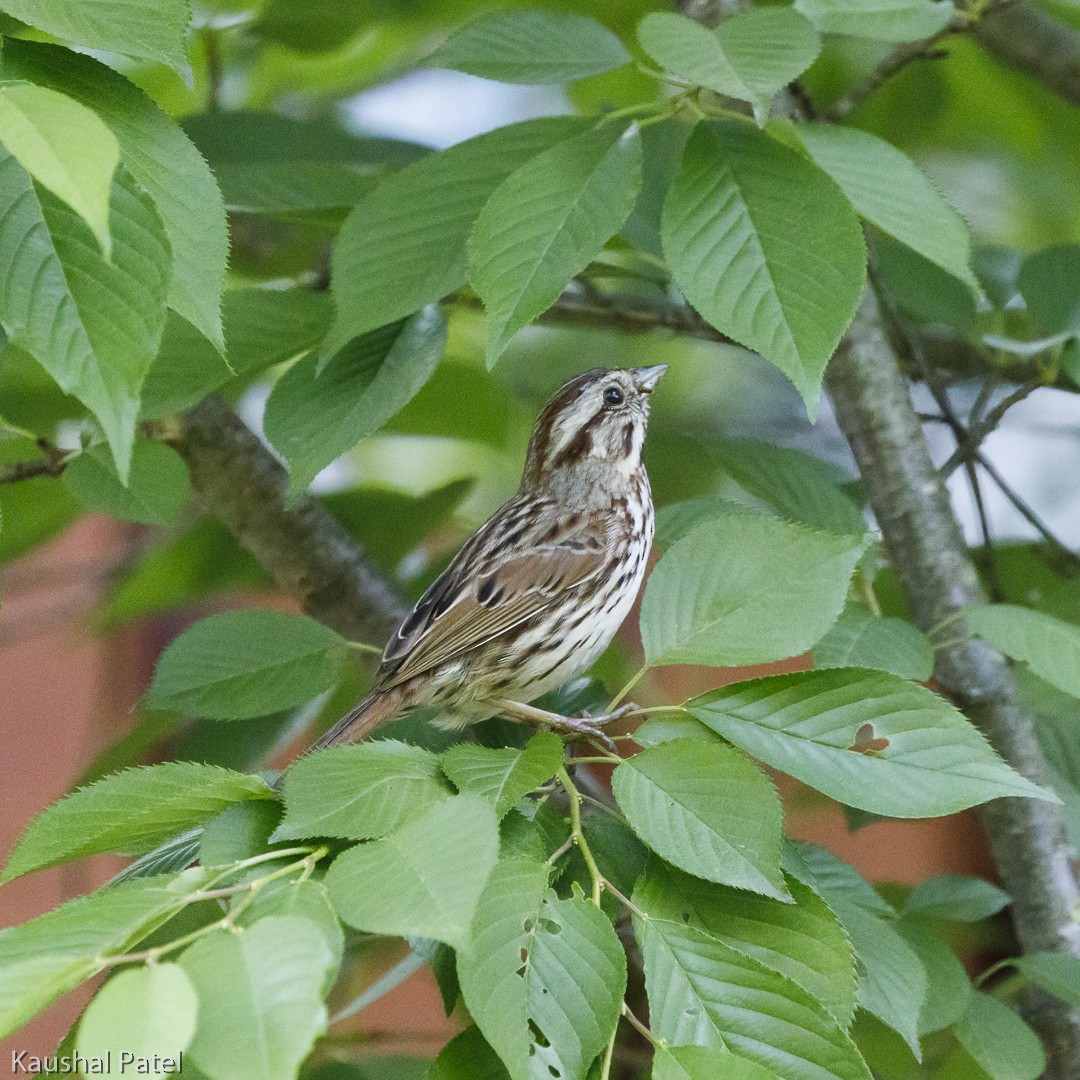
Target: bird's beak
[(646, 378)]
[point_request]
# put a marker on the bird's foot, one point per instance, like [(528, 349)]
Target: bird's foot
[(589, 728)]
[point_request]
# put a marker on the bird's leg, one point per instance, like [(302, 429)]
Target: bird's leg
[(568, 726)]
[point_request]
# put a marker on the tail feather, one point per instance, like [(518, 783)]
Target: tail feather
[(379, 707)]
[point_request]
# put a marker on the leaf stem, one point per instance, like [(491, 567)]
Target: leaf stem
[(641, 1028), (631, 683), (577, 834)]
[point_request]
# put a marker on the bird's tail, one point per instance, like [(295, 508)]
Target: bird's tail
[(379, 707)]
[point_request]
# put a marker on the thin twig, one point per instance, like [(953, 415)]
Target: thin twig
[(993, 582), (52, 465)]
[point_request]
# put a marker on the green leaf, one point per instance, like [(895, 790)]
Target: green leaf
[(1050, 286), (811, 725), (161, 159), (31, 511), (310, 901), (504, 776), (260, 998), (948, 988), (142, 29), (47, 956), (888, 189), (802, 940), (880, 20), (1056, 973), (1049, 646), (158, 485), (403, 246), (93, 325), (467, 1057), (531, 47), (798, 486), (745, 588), (749, 56), (708, 809), (359, 792), (390, 524), (243, 664), (956, 898), (921, 290), (892, 985), (238, 832), (129, 813), (314, 416), (546, 222), (141, 1013), (705, 1063), (766, 247), (65, 147), (842, 886), (860, 639), (263, 327), (543, 978), (1004, 1045), (704, 992), (413, 881)]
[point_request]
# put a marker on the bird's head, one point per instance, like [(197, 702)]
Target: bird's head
[(597, 417)]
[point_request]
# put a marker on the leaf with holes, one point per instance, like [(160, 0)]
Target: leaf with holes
[(880, 20), (749, 56), (546, 222), (260, 998), (65, 147), (504, 776), (745, 588), (403, 246), (160, 158), (359, 792), (704, 992), (708, 809), (243, 664), (766, 247), (806, 724), (413, 882), (1049, 646), (543, 978), (130, 813), (531, 47), (318, 411), (889, 190)]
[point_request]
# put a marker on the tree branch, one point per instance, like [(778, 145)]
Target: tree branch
[(1022, 37), (51, 465), (307, 552), (927, 550)]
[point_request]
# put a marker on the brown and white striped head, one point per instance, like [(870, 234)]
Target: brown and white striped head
[(599, 416)]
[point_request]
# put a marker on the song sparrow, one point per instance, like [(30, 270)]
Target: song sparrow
[(536, 595)]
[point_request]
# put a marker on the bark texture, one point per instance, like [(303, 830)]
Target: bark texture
[(307, 552), (928, 552)]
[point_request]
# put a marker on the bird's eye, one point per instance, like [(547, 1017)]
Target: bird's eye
[(613, 396)]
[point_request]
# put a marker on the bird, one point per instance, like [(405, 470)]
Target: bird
[(537, 593)]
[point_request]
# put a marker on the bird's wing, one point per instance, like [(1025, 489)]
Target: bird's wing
[(492, 586)]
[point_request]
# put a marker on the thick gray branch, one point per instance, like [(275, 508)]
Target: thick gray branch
[(305, 549), (1035, 43), (931, 559)]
